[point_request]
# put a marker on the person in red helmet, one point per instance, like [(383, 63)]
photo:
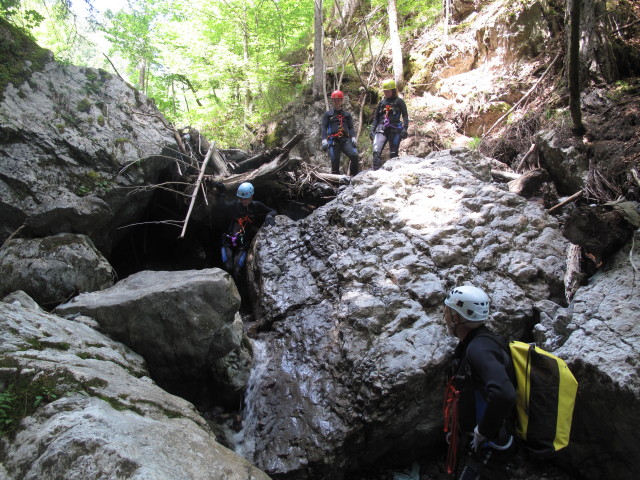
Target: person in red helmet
[(339, 136)]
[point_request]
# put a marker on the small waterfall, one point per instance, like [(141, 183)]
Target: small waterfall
[(244, 439)]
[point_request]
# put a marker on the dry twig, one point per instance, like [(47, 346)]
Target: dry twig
[(197, 188)]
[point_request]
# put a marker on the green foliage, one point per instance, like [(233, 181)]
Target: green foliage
[(474, 143), (25, 17), (16, 48), (220, 71), (26, 392), (94, 182), (7, 407), (622, 89)]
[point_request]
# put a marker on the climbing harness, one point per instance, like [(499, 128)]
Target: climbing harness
[(238, 237), (341, 132)]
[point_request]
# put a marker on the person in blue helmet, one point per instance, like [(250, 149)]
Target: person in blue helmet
[(390, 123), (248, 215), (480, 395), (339, 136)]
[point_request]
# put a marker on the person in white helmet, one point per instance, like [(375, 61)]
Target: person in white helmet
[(480, 395), (248, 215)]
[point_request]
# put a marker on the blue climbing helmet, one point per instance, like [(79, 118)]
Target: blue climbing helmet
[(245, 190)]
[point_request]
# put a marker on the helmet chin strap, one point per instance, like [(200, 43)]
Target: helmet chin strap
[(454, 330)]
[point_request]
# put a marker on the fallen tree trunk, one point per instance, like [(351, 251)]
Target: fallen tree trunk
[(264, 174), (253, 162)]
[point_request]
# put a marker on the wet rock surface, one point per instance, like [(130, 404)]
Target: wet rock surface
[(351, 297)]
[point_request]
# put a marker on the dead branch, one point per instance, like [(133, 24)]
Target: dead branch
[(265, 172), (636, 177), (220, 166), (573, 197), (506, 176), (526, 157), (14, 234), (329, 177), (115, 69), (197, 188), (573, 274)]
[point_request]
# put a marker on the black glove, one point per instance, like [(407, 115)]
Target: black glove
[(371, 135), (404, 134), (269, 221), (220, 186)]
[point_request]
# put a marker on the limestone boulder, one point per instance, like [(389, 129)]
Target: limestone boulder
[(183, 323), (75, 144), (83, 406), (53, 269), (355, 352)]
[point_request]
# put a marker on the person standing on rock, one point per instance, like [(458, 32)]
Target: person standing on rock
[(339, 136), (248, 215), (390, 123), (480, 396)]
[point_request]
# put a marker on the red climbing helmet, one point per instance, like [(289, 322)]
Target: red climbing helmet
[(337, 94)]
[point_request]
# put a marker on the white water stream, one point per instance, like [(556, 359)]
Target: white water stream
[(244, 439)]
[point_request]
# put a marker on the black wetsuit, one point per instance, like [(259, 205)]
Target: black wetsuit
[(244, 226), (338, 130), (486, 381), (389, 122)]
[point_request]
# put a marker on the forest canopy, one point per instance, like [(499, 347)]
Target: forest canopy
[(222, 67)]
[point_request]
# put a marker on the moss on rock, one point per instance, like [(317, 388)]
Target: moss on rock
[(20, 56)]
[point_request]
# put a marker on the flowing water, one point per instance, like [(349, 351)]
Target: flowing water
[(244, 439)]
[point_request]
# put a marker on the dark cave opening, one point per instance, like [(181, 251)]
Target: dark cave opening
[(154, 243)]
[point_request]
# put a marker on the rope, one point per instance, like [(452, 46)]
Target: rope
[(450, 414)]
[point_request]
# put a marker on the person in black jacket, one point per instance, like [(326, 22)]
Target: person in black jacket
[(480, 396), (390, 123), (248, 215), (339, 136)]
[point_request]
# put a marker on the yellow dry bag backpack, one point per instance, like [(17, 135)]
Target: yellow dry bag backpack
[(545, 395)]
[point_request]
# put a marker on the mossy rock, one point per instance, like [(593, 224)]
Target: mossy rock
[(274, 139), (20, 56)]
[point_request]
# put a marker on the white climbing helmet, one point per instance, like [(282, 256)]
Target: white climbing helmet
[(470, 302), (245, 190)]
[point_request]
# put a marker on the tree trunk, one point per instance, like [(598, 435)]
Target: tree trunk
[(318, 54), (574, 68), (143, 71), (597, 60), (396, 47)]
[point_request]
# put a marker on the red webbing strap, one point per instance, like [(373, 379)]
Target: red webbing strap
[(244, 221), (387, 109), (450, 414), (340, 132)]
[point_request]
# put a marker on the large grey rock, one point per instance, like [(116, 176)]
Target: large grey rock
[(183, 323), (100, 416), (353, 366), (565, 158), (74, 141), (599, 335), (53, 269)]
